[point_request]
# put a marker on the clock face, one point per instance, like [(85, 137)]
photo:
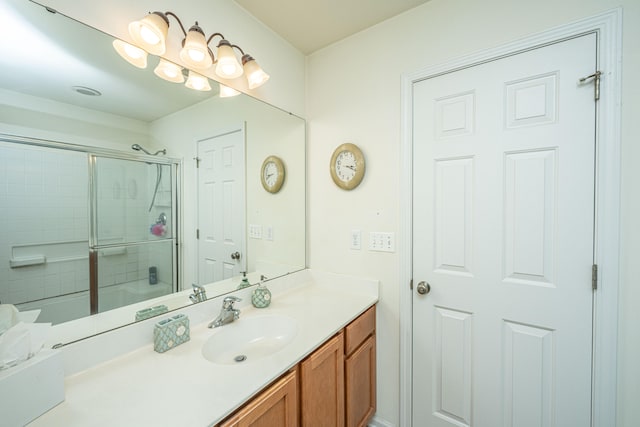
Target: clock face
[(347, 166), (272, 174)]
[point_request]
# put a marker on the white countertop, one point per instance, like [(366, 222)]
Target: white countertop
[(181, 388)]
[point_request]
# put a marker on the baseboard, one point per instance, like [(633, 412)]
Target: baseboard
[(379, 422)]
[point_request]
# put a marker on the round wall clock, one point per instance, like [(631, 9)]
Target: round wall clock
[(347, 166), (272, 174)]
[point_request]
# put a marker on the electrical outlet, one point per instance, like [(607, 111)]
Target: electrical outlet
[(356, 239), (382, 242), (255, 231)]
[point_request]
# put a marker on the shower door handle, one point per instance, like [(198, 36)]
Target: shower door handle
[(235, 255)]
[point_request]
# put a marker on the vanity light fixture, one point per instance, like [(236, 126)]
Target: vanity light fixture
[(255, 75), (195, 50), (150, 35)]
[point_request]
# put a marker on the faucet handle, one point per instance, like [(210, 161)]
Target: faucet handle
[(227, 302)]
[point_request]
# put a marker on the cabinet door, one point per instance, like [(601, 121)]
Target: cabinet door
[(322, 386), (360, 384), (277, 406)]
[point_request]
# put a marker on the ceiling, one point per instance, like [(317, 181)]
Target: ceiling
[(310, 25)]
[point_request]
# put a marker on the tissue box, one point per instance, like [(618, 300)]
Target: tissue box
[(171, 332), (31, 388)]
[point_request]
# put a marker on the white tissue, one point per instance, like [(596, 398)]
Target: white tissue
[(19, 340), (8, 317)]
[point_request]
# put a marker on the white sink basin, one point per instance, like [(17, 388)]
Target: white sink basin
[(249, 339)]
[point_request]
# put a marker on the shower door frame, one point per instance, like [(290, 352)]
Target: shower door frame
[(94, 244), (93, 152)]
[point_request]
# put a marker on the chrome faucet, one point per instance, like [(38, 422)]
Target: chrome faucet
[(199, 294), (228, 313)]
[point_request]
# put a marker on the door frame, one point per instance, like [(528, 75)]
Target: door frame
[(608, 27)]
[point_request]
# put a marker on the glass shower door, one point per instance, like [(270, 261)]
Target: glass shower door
[(132, 245)]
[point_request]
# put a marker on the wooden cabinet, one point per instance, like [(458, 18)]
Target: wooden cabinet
[(322, 385), (275, 406), (336, 385), (360, 370)]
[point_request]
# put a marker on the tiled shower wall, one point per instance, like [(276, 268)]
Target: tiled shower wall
[(44, 206)]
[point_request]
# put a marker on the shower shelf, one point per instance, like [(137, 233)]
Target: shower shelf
[(27, 261)]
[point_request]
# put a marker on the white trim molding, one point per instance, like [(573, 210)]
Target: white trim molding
[(379, 422), (608, 27)]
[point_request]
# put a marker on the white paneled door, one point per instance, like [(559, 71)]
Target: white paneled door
[(503, 232), (221, 207)]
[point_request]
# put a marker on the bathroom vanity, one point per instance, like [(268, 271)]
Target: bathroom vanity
[(326, 367), (336, 383)]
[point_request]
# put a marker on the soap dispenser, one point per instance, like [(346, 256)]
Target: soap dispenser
[(245, 282), (261, 296)]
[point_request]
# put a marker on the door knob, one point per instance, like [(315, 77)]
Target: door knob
[(235, 255), (423, 288)]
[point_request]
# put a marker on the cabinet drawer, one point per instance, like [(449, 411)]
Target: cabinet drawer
[(358, 330)]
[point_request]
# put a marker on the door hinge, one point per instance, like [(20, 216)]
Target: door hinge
[(411, 284), (197, 233), (596, 83), (594, 276), (197, 159)]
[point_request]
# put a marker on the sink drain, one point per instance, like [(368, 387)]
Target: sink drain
[(240, 358)]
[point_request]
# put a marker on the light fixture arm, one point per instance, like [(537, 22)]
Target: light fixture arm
[(239, 48), (184, 32), (213, 35)]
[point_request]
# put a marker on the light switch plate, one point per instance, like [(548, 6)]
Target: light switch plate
[(356, 239), (255, 231), (382, 241)]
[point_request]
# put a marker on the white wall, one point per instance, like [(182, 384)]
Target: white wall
[(34, 117), (354, 94), (278, 58), (269, 131)]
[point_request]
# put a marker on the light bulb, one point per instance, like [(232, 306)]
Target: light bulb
[(195, 52), (255, 75), (227, 66), (149, 36), (150, 33)]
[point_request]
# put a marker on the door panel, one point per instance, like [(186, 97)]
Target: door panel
[(221, 206), (503, 202)]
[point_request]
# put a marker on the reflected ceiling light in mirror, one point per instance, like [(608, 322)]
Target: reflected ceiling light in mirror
[(227, 92), (169, 71), (255, 74), (150, 33), (132, 54), (197, 81)]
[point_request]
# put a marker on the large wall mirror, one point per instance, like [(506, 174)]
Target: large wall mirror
[(120, 190)]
